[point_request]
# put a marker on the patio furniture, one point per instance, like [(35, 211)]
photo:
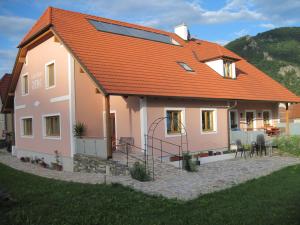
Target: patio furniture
[(261, 144), (239, 148), (272, 131), (253, 149)]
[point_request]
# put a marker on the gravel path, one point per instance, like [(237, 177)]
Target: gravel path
[(173, 183)]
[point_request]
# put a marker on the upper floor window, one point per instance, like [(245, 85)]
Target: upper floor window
[(174, 121), (209, 120), (25, 84), (228, 69), (50, 75)]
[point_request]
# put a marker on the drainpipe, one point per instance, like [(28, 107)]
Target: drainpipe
[(228, 122)]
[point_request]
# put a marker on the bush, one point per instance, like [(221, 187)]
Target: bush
[(79, 129), (139, 172), (288, 144), (188, 164)]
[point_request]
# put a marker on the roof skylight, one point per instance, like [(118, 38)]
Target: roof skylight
[(132, 32), (185, 66)]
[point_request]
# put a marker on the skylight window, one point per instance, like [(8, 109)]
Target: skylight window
[(132, 32), (185, 66)]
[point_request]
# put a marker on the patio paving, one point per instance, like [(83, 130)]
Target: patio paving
[(173, 182)]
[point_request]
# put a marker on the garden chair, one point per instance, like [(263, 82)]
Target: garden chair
[(239, 148), (261, 144)]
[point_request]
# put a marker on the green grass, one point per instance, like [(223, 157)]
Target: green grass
[(274, 199)]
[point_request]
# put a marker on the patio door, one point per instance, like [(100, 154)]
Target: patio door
[(113, 130), (250, 120)]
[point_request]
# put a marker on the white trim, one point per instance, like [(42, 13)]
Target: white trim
[(254, 118), (22, 135), (71, 98), (143, 121), (46, 75), (60, 98), (182, 121), (44, 126), (15, 119), (22, 84), (270, 114), (20, 107), (215, 122)]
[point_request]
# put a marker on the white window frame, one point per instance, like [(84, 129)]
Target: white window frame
[(47, 75), (270, 113), (254, 118), (22, 84), (22, 127), (236, 118), (44, 126), (215, 123), (182, 121)]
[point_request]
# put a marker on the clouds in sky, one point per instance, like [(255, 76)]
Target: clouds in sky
[(234, 18)]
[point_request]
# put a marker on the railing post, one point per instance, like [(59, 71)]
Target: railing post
[(126, 147), (161, 151), (179, 157), (84, 146), (145, 150)]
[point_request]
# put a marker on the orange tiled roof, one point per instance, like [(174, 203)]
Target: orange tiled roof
[(132, 66)]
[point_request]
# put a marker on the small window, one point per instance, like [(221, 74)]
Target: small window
[(25, 89), (27, 127), (185, 66), (52, 126), (208, 120), (266, 118), (50, 75), (174, 121), (228, 69)]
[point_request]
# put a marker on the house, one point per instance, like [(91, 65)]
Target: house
[(6, 117), (119, 78), (294, 113)]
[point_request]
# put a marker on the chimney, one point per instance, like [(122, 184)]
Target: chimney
[(182, 31)]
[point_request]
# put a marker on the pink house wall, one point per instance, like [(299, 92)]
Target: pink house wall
[(89, 104), (197, 140), (38, 102)]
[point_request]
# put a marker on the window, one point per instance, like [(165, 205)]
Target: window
[(233, 120), (52, 126), (25, 89), (129, 31), (27, 127), (174, 121), (50, 75), (228, 69), (185, 66), (266, 118), (208, 119)]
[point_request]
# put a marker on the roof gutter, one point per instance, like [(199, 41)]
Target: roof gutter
[(22, 44)]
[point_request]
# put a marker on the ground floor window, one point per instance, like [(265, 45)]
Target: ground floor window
[(267, 118), (52, 126), (208, 119), (27, 127), (174, 121), (233, 120)]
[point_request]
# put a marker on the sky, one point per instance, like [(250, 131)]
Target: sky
[(219, 21)]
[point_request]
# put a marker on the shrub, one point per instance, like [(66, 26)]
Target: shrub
[(188, 164), (79, 129), (138, 171), (288, 144)]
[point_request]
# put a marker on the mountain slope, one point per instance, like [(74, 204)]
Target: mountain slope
[(276, 52)]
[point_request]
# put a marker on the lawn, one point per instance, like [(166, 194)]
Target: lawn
[(274, 199)]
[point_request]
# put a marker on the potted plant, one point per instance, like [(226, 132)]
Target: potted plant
[(57, 165), (79, 129)]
